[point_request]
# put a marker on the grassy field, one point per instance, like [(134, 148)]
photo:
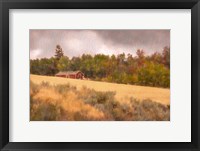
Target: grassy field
[(62, 99), (123, 92)]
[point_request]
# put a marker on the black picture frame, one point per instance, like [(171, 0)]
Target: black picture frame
[(5, 5)]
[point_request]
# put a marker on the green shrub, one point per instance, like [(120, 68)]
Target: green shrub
[(148, 110), (62, 89), (46, 112)]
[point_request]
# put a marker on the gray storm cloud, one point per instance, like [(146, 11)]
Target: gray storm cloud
[(77, 42)]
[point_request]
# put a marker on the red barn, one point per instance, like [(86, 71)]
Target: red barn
[(71, 74)]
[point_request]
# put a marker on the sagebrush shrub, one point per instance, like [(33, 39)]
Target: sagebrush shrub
[(65, 102)]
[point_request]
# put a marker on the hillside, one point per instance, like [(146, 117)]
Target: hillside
[(123, 91)]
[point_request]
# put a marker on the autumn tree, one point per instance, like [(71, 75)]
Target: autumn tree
[(141, 57), (141, 69), (156, 57), (166, 56)]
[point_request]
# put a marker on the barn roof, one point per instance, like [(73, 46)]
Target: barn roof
[(67, 72)]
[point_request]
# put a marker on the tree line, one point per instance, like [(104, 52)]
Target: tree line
[(141, 69)]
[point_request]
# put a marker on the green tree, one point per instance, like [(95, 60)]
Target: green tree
[(44, 66), (63, 64), (75, 63), (87, 65), (153, 74)]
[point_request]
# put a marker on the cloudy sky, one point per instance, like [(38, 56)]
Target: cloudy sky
[(77, 42)]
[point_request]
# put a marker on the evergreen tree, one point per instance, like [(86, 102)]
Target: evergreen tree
[(59, 52)]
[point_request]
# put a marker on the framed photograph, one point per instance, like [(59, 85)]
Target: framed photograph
[(99, 75)]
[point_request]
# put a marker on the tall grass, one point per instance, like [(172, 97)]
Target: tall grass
[(66, 103)]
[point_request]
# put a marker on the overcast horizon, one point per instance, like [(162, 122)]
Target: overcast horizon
[(77, 42)]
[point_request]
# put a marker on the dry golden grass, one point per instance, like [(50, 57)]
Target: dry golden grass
[(70, 104), (123, 92), (50, 102)]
